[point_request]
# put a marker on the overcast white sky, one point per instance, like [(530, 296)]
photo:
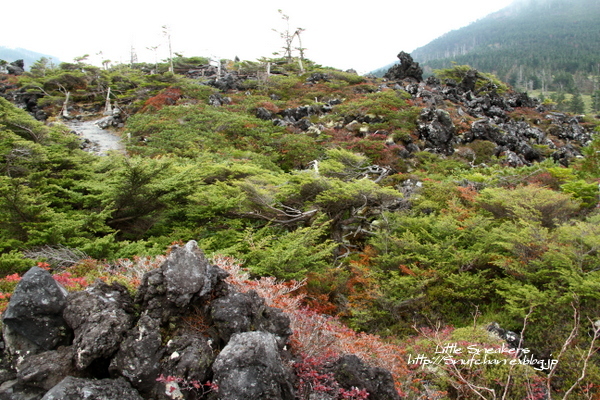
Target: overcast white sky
[(342, 34)]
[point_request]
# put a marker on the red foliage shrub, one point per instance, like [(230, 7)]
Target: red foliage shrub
[(544, 179), (269, 106), (71, 282), (467, 194), (167, 97)]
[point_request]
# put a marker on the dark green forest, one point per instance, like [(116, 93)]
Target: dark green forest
[(546, 47), (406, 244)]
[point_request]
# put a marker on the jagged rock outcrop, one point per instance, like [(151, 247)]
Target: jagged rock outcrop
[(16, 67), (118, 348), (407, 69), (217, 100), (316, 77), (298, 117), (228, 81), (488, 112), (437, 130), (470, 80), (166, 291)]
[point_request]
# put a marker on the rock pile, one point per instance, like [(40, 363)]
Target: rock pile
[(552, 134), (101, 343)]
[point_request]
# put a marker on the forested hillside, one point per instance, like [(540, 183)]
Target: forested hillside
[(421, 211), (542, 46)]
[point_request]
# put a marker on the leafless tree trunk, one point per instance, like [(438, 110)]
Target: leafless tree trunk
[(107, 105), (65, 108), (167, 33)]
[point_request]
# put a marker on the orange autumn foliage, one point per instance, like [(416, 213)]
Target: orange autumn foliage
[(167, 97), (316, 334)]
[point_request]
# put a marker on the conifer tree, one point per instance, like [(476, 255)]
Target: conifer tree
[(596, 101), (576, 104)]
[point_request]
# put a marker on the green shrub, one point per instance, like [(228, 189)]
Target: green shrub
[(529, 203), (459, 72), (14, 262), (585, 192)]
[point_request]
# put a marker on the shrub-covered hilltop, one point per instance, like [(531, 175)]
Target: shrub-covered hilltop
[(431, 217)]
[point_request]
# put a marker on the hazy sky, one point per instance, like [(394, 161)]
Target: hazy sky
[(342, 34)]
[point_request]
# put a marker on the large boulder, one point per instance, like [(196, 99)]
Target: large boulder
[(186, 274), (33, 320), (72, 388), (16, 67), (350, 371), (101, 315), (469, 80), (250, 368)]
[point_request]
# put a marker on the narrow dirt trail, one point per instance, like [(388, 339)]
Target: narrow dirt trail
[(100, 141)]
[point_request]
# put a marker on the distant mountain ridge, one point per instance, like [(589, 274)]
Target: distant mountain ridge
[(527, 44), (29, 57)]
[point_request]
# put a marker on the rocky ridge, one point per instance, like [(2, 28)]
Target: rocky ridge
[(102, 343), (479, 102), (455, 114)]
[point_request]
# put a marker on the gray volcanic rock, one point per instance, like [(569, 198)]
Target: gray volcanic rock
[(138, 358), (437, 129), (47, 369), (232, 339), (100, 316), (33, 319), (407, 68), (242, 312), (350, 371), (250, 368), (189, 356), (72, 388), (186, 274), (13, 390)]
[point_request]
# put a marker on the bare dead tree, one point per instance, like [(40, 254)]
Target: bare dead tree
[(512, 366), (586, 359), (155, 50), (107, 105), (58, 256), (167, 34), (287, 36), (300, 48)]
